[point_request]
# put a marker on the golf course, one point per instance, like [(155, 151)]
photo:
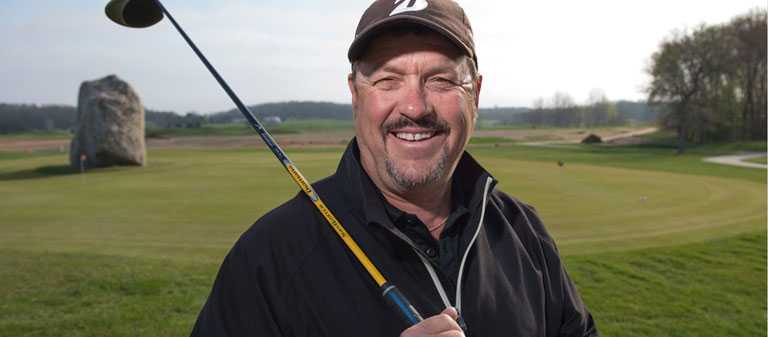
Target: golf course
[(658, 244)]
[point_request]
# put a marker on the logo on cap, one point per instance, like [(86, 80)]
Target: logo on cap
[(402, 6)]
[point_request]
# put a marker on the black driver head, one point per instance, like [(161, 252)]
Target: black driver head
[(134, 13)]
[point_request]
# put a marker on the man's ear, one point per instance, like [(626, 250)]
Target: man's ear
[(352, 89), (478, 86)]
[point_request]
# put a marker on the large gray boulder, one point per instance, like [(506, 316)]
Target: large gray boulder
[(110, 125)]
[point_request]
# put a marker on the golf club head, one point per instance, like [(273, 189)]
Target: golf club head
[(134, 13)]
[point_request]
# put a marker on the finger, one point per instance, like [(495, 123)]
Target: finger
[(435, 325), (441, 322), (452, 333), (451, 311)]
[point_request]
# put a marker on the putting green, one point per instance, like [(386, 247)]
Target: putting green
[(591, 209), (193, 204)]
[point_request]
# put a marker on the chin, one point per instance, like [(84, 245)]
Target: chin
[(417, 174)]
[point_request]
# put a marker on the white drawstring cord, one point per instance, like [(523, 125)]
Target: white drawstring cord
[(436, 281), (466, 253), (431, 270)]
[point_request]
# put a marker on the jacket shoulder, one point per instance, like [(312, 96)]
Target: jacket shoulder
[(287, 233), (523, 217)]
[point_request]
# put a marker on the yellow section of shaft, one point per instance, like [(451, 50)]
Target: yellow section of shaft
[(336, 225)]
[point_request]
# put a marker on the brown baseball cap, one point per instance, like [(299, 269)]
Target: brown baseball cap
[(443, 16)]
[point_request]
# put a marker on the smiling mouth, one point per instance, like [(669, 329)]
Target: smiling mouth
[(414, 136)]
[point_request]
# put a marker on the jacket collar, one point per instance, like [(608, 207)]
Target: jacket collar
[(366, 202)]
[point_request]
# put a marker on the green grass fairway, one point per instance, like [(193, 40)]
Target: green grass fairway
[(717, 288), (192, 204), (53, 134), (661, 245)]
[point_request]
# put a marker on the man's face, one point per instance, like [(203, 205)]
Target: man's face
[(415, 106)]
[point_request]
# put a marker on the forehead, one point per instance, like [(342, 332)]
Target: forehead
[(392, 45)]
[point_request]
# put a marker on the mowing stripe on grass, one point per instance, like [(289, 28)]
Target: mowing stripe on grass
[(188, 199), (716, 288)]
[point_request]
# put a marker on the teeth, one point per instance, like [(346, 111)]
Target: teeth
[(414, 137)]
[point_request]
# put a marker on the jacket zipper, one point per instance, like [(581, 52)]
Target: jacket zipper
[(431, 270)]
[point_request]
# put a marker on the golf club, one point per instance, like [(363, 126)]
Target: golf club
[(145, 13)]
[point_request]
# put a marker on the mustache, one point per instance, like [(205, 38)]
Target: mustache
[(431, 122)]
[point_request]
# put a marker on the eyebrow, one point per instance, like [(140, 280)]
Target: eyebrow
[(389, 69), (442, 69)]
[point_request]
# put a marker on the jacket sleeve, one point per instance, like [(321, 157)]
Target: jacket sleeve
[(576, 321), (238, 304)]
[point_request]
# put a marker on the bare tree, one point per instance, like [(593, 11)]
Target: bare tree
[(600, 110), (564, 109), (537, 114)]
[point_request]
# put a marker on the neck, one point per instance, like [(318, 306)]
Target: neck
[(431, 205)]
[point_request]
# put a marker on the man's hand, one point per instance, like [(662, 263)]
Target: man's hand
[(441, 325)]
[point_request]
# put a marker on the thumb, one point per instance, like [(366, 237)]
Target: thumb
[(451, 311)]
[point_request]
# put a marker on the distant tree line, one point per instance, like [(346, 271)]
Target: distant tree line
[(502, 115), (711, 81), (561, 111), (31, 117), (169, 119), (287, 111)]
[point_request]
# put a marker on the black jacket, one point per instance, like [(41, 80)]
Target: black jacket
[(290, 275)]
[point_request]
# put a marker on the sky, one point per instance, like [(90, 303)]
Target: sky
[(270, 51)]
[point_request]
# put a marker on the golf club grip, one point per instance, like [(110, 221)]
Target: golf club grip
[(397, 301), (400, 303)]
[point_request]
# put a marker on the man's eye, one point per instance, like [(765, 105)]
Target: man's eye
[(441, 83), (385, 83)]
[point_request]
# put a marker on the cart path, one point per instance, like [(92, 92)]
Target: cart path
[(738, 160), (611, 138)]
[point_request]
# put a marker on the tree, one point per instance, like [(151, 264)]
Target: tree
[(564, 109), (591, 112), (749, 53), (678, 73), (712, 81), (536, 116), (599, 110), (690, 76)]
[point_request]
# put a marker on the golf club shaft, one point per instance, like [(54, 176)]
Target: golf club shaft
[(393, 296)]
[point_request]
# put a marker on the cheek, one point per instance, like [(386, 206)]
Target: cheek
[(373, 110), (370, 114), (457, 111), (470, 116)]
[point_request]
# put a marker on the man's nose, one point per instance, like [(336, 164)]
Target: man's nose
[(413, 103)]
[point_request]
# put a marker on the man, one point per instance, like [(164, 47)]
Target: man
[(425, 212)]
